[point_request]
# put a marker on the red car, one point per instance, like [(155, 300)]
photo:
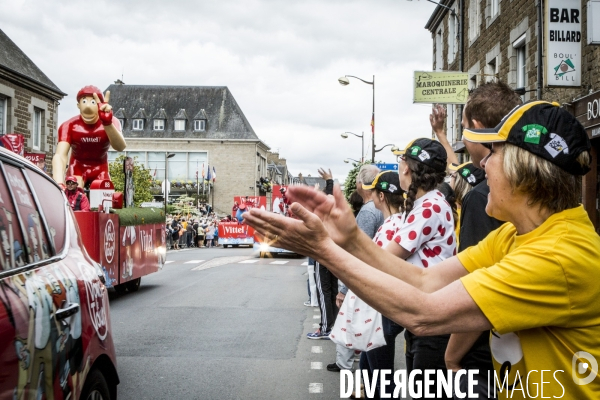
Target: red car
[(55, 332)]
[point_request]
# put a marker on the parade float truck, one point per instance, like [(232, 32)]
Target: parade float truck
[(263, 246), (128, 243)]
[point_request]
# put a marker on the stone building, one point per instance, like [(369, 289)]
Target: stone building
[(196, 126), (500, 39), (28, 102)]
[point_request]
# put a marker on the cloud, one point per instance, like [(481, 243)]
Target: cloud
[(280, 59)]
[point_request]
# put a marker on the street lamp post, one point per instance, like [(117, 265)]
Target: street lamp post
[(166, 182), (362, 137), (344, 81), (394, 148)]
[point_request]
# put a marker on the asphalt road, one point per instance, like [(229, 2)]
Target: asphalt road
[(223, 324)]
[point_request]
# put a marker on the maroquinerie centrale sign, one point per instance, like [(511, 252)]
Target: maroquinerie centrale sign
[(440, 87), (563, 42)]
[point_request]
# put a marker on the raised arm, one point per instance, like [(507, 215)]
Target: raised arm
[(402, 296), (59, 162), (437, 118)]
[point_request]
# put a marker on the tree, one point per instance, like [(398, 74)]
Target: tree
[(350, 183), (141, 179)]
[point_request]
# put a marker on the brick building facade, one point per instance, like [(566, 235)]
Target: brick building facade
[(200, 126), (499, 41), (28, 101)]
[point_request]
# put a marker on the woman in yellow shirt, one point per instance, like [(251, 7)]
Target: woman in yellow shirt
[(533, 281)]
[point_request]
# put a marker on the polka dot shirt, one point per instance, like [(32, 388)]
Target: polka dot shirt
[(386, 232), (428, 231)]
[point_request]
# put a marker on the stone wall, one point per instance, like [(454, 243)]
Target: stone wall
[(20, 109), (496, 35)]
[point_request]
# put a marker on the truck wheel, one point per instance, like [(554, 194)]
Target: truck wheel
[(134, 285), (95, 387), (121, 289)]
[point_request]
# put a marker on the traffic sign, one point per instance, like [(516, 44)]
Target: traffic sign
[(387, 167)]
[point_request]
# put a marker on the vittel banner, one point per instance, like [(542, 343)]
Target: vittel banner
[(563, 42)]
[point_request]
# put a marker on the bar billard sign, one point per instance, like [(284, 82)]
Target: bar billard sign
[(563, 42)]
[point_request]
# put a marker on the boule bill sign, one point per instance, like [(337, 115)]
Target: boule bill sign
[(440, 87), (563, 42)]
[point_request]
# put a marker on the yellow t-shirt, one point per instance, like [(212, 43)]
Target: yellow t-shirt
[(541, 293)]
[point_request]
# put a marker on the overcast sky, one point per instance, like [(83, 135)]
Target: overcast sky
[(280, 59)]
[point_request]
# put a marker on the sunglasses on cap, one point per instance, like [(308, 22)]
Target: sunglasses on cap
[(70, 182)]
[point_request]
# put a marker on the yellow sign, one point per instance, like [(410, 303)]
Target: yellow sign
[(441, 87)]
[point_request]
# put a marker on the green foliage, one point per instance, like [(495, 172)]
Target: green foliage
[(350, 183), (185, 205), (139, 216), (142, 180)]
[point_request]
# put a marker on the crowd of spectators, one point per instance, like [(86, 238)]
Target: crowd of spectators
[(492, 277)]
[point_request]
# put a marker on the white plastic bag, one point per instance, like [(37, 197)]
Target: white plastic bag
[(358, 325)]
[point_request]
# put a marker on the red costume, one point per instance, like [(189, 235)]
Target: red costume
[(89, 148), (78, 196)]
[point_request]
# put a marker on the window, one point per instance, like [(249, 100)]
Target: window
[(474, 13), (494, 7), (452, 37), (438, 51), (122, 123), (491, 70), (3, 115), (11, 239), (159, 124), (53, 207), (199, 125), (180, 124), (36, 132), (138, 124), (472, 82), (36, 242), (521, 61)]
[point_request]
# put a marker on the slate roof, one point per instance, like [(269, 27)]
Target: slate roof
[(225, 119), (13, 59)]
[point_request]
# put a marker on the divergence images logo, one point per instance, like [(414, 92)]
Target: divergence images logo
[(109, 241), (583, 363), (564, 67)]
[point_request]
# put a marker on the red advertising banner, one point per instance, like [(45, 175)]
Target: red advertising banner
[(108, 245), (38, 159), (234, 230), (279, 202), (142, 250), (13, 142), (250, 202)]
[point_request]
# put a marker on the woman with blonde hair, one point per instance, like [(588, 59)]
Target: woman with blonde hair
[(529, 281)]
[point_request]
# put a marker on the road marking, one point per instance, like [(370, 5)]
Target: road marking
[(279, 262), (194, 262), (168, 262), (315, 388), (248, 262), (316, 325), (317, 316), (217, 262), (316, 349), (316, 365), (305, 263)]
